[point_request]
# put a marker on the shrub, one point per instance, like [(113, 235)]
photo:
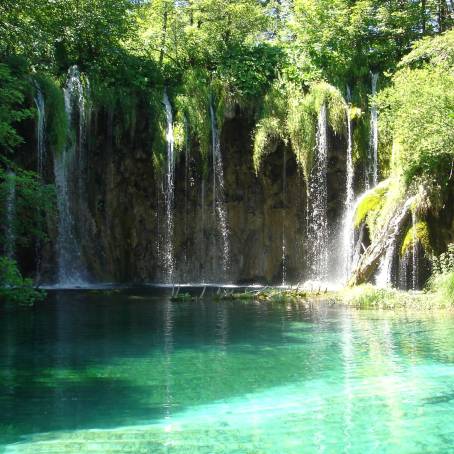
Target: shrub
[(13, 287)]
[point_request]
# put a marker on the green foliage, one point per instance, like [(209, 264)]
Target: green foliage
[(371, 297), (419, 233), (290, 114), (272, 126), (444, 263), (34, 202), (347, 39), (443, 286), (267, 134), (12, 96), (302, 127), (13, 287), (442, 280), (417, 113), (437, 51), (193, 103), (249, 70)]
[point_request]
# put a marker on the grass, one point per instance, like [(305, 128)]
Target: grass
[(439, 295)]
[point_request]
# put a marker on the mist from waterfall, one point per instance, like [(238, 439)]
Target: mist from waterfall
[(219, 209), (68, 176), (169, 194), (317, 227)]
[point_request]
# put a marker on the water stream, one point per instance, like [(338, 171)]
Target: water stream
[(169, 194), (384, 276), (219, 209), (415, 253), (284, 212), (349, 210), (40, 129), (68, 180), (40, 156), (318, 204)]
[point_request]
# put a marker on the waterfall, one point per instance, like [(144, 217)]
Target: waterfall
[(415, 255), (40, 155), (187, 186), (169, 193), (384, 276), (10, 216), (403, 266), (284, 209), (356, 246), (318, 203), (349, 212), (40, 129), (372, 173), (203, 245), (219, 209), (68, 177)]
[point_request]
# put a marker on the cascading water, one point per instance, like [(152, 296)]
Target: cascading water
[(10, 216), (403, 267), (348, 226), (318, 203), (40, 129), (384, 276), (169, 193), (415, 254), (188, 184), (219, 210), (203, 244), (372, 171), (71, 270), (40, 154), (284, 209)]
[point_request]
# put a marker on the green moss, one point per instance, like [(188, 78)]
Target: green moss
[(420, 232), (56, 119), (193, 102), (302, 128), (372, 202), (267, 132), (323, 93), (291, 114)]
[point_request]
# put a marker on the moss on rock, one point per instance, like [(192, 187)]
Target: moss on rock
[(418, 232), (372, 202)]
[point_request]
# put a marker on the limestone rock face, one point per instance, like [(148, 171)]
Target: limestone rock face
[(120, 217)]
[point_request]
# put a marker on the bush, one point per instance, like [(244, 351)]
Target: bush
[(13, 287)]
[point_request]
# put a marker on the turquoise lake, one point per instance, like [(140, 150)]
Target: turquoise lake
[(133, 372)]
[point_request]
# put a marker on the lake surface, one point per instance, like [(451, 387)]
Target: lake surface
[(86, 372)]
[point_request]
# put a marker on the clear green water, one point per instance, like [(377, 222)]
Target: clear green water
[(86, 373)]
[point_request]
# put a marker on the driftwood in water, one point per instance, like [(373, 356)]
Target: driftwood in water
[(385, 240)]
